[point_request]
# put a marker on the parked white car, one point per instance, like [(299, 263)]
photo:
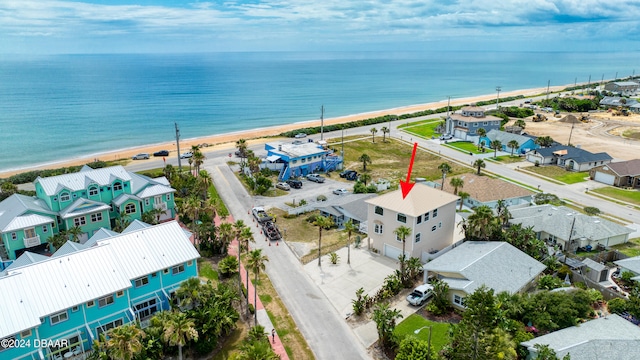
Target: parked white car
[(186, 155), (420, 295)]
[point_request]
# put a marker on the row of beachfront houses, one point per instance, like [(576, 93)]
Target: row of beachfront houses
[(56, 306), (86, 201)]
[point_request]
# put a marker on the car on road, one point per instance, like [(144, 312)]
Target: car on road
[(161, 153), (446, 137), (300, 135), (340, 191), (346, 173), (420, 295), (141, 156), (296, 184), (186, 155), (283, 186), (315, 178)]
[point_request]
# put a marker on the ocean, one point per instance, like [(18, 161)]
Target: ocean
[(58, 107)]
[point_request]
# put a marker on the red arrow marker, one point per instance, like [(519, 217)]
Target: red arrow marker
[(406, 186)]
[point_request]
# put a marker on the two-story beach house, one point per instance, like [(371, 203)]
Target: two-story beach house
[(299, 159), (88, 200), (525, 143), (464, 125), (72, 297), (428, 212)]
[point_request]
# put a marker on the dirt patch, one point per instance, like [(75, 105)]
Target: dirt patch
[(451, 317)]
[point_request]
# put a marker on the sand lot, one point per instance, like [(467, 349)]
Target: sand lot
[(602, 133)]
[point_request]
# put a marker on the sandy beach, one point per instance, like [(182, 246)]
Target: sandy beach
[(227, 141)]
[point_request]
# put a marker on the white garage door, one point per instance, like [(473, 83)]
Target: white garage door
[(392, 252), (604, 178)]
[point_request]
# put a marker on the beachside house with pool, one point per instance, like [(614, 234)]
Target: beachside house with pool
[(74, 296), (83, 202), (299, 159), (465, 124)]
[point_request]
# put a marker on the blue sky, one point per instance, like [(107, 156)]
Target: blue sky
[(134, 26)]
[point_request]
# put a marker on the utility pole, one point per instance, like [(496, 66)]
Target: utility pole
[(342, 128), (446, 122), (322, 122), (498, 89), (571, 132), (616, 76), (178, 145), (548, 83)]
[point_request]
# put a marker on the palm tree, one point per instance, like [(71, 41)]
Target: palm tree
[(322, 222), (350, 228), (414, 267), (121, 222), (373, 134), (502, 212), (74, 233), (190, 293), (191, 208), (481, 224), (204, 182), (463, 196), (152, 216), (8, 188), (481, 133), (365, 159), (402, 232), (246, 236), (544, 141), (179, 330), (456, 183), (125, 341), (445, 168), (239, 227), (520, 123), (479, 164), (256, 261), (365, 178), (513, 144), (495, 145), (58, 239), (198, 159), (169, 172), (225, 234), (385, 130), (241, 145)]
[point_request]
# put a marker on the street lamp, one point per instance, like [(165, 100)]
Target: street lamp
[(429, 343), (498, 89)]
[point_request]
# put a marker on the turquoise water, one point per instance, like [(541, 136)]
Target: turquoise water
[(59, 107)]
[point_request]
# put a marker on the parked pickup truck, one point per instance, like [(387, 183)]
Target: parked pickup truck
[(261, 215), (420, 295)]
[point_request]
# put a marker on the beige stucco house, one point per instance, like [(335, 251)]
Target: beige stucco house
[(428, 212)]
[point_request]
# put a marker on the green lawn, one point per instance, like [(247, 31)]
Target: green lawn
[(507, 159), (465, 146), (558, 173), (416, 123), (426, 130), (630, 248), (439, 331), (205, 270), (632, 196)]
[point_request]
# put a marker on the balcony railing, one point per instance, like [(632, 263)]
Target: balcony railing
[(32, 241), (161, 206)]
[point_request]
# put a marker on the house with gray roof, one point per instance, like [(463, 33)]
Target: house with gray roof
[(498, 265), (465, 124), (620, 174), (568, 157), (344, 208), (610, 337), (562, 226), (630, 264), (622, 87), (617, 101), (525, 143)]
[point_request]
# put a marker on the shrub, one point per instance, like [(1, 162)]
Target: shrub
[(334, 258), (321, 198), (228, 266), (252, 309), (617, 306), (590, 210)]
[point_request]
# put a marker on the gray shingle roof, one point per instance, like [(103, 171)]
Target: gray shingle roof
[(352, 206), (505, 137), (624, 168), (559, 220), (632, 264), (498, 265), (611, 337), (578, 155)]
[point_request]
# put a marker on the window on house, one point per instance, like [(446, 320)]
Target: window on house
[(419, 219), (117, 186), (29, 233), (426, 216), (130, 209), (485, 123), (417, 238), (475, 124), (108, 326), (402, 218), (45, 229), (90, 303), (177, 269), (398, 238), (26, 334), (120, 293), (168, 197), (377, 228), (147, 202), (435, 213), (79, 221), (165, 271), (459, 300), (14, 236), (96, 217), (58, 317), (190, 262), (65, 197), (142, 281), (105, 301), (74, 309), (378, 210), (433, 228), (146, 309), (93, 191)]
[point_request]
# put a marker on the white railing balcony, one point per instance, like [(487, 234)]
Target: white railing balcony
[(161, 206), (32, 241)]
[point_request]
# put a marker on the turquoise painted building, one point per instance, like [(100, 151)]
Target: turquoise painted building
[(56, 306), (525, 143), (300, 159), (89, 199)]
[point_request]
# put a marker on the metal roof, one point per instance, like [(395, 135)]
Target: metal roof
[(498, 265), (151, 249), (295, 150), (99, 235), (136, 225), (68, 248), (26, 221), (153, 190), (83, 206), (82, 179), (420, 199), (46, 287), (26, 258), (505, 137), (17, 204), (124, 197)]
